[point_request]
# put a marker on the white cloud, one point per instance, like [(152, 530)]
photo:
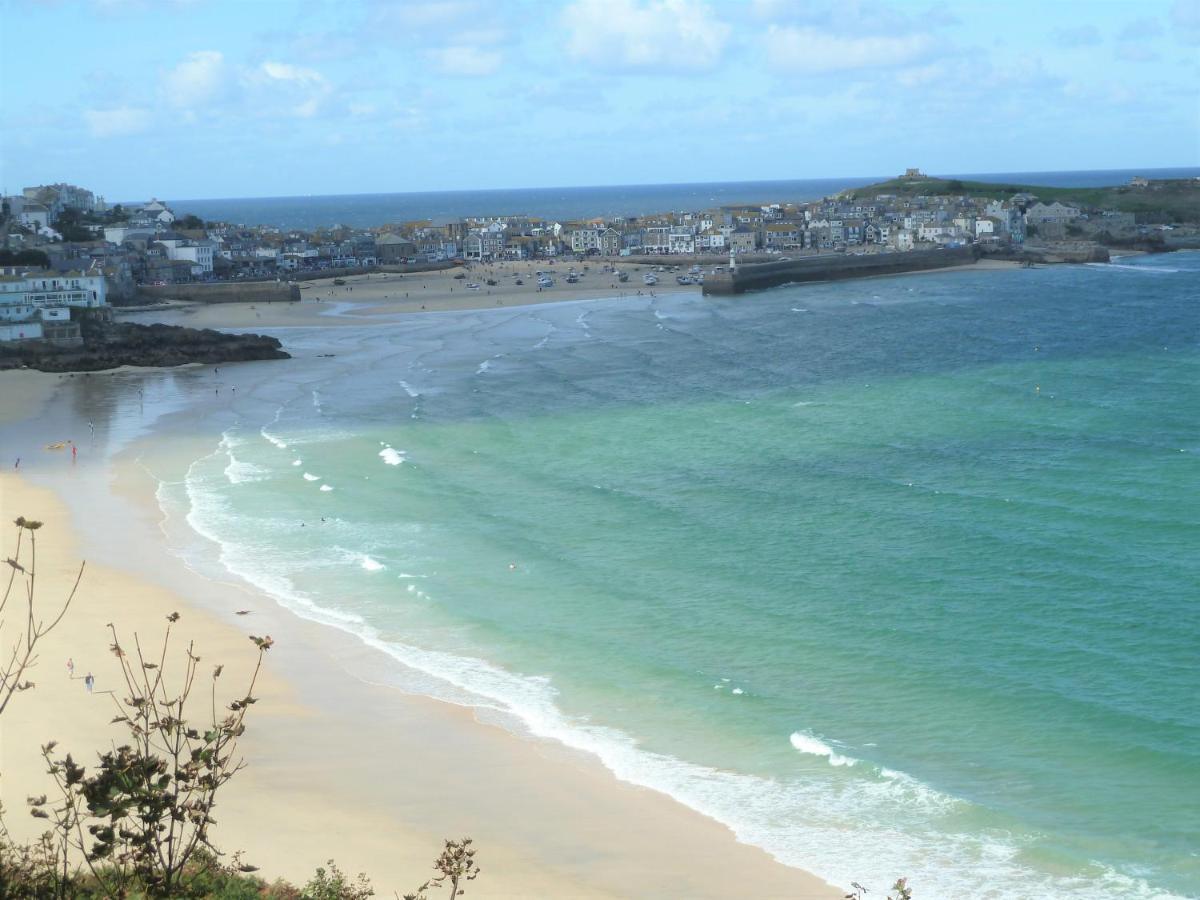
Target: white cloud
[(656, 34), (303, 90), (466, 59), (117, 121), (195, 81), (811, 50)]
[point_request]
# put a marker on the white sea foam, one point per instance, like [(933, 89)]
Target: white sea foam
[(270, 437), (297, 462), (899, 823), (409, 389), (1150, 270), (807, 743), (371, 565), (308, 476), (316, 399), (239, 471), (391, 456), (487, 363), (274, 440), (326, 487), (581, 321)]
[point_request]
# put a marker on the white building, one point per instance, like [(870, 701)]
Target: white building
[(35, 216), (27, 300), (584, 240), (199, 253)]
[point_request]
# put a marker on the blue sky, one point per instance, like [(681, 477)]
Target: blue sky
[(225, 98)]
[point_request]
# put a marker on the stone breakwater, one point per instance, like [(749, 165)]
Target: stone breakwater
[(756, 276), (225, 292)]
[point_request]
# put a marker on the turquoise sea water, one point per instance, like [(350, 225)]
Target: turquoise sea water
[(895, 577)]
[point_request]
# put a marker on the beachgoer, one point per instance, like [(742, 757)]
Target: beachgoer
[(89, 682), (74, 452), (70, 668), (17, 464)]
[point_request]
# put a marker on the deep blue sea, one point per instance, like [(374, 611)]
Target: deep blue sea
[(894, 577), (369, 210)]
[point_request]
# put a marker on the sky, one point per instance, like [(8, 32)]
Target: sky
[(232, 98)]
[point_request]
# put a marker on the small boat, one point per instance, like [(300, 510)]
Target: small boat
[(572, 278), (519, 281), (472, 286), (684, 279), (545, 281), (339, 281), (649, 278), (622, 276)]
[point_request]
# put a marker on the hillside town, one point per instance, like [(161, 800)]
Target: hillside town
[(64, 246)]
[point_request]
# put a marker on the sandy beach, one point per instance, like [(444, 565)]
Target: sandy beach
[(380, 296), (374, 296), (339, 765)]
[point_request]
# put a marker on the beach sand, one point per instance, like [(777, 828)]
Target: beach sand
[(368, 297), (363, 299), (338, 766)]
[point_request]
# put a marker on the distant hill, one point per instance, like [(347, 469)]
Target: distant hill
[(1160, 202)]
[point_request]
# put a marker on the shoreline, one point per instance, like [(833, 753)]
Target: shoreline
[(580, 832), (375, 298)]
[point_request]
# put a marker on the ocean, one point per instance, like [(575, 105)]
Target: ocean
[(895, 577), (371, 210)]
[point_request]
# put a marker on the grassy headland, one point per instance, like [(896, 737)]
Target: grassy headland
[(1160, 202)]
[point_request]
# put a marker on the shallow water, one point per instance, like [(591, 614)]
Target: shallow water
[(895, 577)]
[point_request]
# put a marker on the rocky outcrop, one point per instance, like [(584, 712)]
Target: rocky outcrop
[(107, 345), (1064, 252)]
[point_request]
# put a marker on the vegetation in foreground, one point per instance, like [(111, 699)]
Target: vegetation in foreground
[(137, 825)]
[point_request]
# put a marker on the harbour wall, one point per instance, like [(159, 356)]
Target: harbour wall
[(756, 276), (225, 292)]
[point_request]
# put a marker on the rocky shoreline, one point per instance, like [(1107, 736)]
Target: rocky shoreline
[(108, 345)]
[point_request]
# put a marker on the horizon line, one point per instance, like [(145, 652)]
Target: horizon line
[(500, 190)]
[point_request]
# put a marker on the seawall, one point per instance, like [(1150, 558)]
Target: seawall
[(756, 276), (225, 292)]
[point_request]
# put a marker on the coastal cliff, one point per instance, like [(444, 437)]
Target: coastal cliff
[(107, 345)]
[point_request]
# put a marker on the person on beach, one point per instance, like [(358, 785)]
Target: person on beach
[(89, 682), (74, 452), (17, 464), (70, 668)]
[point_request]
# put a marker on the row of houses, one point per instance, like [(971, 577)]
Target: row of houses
[(151, 245), (37, 305)]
